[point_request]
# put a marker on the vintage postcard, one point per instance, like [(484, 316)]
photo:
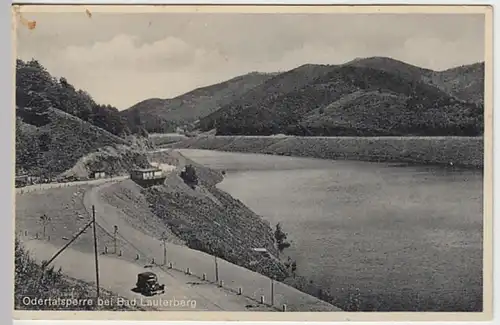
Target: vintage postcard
[(313, 163)]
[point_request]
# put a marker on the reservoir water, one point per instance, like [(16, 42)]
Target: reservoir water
[(403, 237)]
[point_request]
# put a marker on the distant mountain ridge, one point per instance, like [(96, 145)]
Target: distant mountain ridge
[(166, 114), (366, 96), (465, 82)]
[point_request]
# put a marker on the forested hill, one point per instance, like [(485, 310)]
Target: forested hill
[(37, 89), (165, 115), (376, 96), (366, 97), (57, 124)]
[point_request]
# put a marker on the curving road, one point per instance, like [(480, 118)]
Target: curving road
[(46, 186), (118, 274)]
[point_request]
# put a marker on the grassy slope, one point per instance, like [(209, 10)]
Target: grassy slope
[(427, 110), (56, 144), (129, 198), (68, 215), (64, 141), (195, 104)]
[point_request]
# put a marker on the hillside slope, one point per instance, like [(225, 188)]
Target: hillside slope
[(465, 82), (51, 141), (57, 125), (424, 108), (265, 94), (37, 88), (164, 115)]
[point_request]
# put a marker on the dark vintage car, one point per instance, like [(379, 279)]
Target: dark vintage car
[(147, 284)]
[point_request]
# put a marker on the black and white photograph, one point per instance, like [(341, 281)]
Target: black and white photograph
[(248, 159)]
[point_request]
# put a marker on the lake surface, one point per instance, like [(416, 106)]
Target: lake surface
[(404, 238)]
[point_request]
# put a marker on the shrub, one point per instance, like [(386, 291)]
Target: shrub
[(280, 237), (189, 176)]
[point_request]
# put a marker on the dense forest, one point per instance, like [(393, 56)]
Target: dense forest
[(37, 90), (349, 100)]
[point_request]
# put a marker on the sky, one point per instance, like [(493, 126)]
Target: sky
[(122, 59)]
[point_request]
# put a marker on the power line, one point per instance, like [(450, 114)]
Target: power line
[(91, 223), (66, 246)]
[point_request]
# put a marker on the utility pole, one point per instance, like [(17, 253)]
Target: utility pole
[(164, 252), (114, 237), (216, 270), (272, 292), (164, 240), (45, 221), (95, 252), (40, 178)]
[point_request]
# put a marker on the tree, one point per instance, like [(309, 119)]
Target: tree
[(294, 268), (189, 176), (37, 90), (142, 132), (280, 236), (44, 141), (27, 147), (45, 220)]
